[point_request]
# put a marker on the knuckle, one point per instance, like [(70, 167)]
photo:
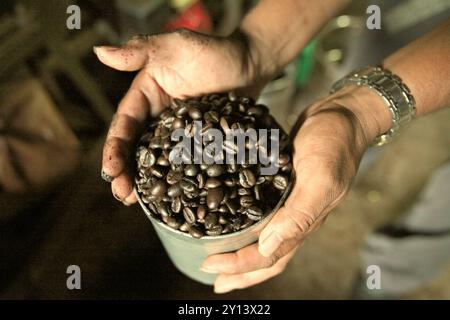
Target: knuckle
[(300, 220), (271, 261)]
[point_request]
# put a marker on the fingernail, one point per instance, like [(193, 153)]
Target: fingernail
[(209, 270), (269, 245), (126, 203), (105, 48), (223, 288), (106, 177)]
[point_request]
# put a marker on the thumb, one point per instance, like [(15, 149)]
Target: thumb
[(130, 57), (302, 213)]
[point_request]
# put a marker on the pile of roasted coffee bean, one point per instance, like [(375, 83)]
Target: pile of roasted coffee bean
[(214, 199)]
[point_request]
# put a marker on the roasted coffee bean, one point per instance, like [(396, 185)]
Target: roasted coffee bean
[(189, 215), (230, 181), (181, 111), (188, 185), (211, 117), (244, 192), (204, 166), (178, 123), (203, 193), (227, 229), (175, 191), (155, 143), (283, 159), (246, 201), (163, 161), (176, 205), (257, 110), (223, 219), (232, 206), (224, 125), (201, 212), (233, 193), (174, 177), (257, 191), (254, 213), (189, 130), (201, 180), (232, 168), (184, 227), (212, 183), (158, 188), (247, 178), (261, 180), (223, 208), (232, 96), (163, 210), (287, 168), (247, 223), (195, 232), (166, 143), (227, 109), (145, 139), (215, 230), (146, 157), (164, 133), (280, 182), (192, 194), (152, 207), (190, 170), (214, 198), (157, 171), (195, 113), (176, 103), (237, 222), (173, 222), (214, 170), (211, 220)]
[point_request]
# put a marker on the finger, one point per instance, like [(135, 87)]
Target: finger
[(228, 282), (309, 201), (244, 260), (132, 56), (122, 189), (143, 95)]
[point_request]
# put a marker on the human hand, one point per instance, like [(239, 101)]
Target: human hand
[(179, 64), (331, 139)]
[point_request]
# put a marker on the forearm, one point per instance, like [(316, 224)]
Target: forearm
[(424, 66), (280, 29)]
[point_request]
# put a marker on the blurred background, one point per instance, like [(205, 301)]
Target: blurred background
[(56, 102)]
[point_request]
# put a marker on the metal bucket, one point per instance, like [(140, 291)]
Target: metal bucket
[(188, 253)]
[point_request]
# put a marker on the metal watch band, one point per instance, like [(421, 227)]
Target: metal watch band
[(391, 89)]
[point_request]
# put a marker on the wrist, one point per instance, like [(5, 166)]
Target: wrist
[(368, 108), (259, 54)]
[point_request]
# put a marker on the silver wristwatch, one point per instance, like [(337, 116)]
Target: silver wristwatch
[(391, 89)]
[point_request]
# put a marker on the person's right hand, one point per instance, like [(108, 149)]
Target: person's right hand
[(179, 64)]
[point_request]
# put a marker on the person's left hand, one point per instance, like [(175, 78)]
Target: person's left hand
[(332, 138)]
